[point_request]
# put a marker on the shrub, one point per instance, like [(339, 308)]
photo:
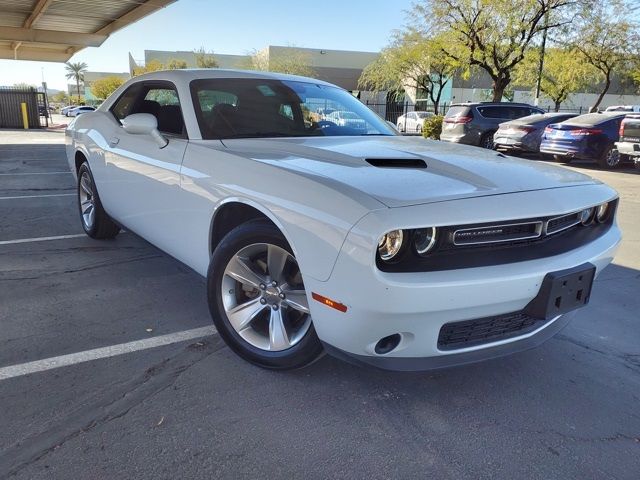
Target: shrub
[(432, 127)]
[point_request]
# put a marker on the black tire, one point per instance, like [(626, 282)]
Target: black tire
[(486, 141), (636, 163), (610, 158), (547, 157), (102, 227), (562, 159), (303, 353)]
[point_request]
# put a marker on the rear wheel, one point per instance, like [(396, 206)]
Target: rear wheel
[(95, 221), (636, 163), (610, 159), (258, 300), (562, 159), (487, 141)]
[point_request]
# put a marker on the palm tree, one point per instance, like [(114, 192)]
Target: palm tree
[(76, 71)]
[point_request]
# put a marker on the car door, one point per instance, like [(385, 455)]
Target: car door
[(142, 186)]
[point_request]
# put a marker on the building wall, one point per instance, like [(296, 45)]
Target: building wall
[(576, 101), (341, 67), (224, 61)]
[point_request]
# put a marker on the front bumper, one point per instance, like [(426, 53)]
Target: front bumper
[(417, 305)]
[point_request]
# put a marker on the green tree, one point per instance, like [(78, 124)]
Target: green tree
[(492, 35), (103, 87), (205, 59), (60, 97), (23, 86), (293, 62), (565, 72), (412, 60), (607, 40), (150, 66), (75, 72), (176, 64)]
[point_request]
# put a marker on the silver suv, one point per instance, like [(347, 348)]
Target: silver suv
[(475, 123)]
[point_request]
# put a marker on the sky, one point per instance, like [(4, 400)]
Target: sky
[(230, 27)]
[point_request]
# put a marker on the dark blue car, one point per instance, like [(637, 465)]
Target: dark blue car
[(587, 137)]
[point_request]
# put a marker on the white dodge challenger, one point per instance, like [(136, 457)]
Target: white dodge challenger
[(398, 252)]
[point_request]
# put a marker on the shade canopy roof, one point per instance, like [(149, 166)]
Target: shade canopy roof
[(53, 30)]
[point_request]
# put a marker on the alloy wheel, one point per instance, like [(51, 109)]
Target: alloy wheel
[(87, 201), (612, 157), (264, 297)]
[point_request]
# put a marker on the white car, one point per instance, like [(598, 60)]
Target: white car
[(412, 122), (65, 110), (387, 250), (74, 112)]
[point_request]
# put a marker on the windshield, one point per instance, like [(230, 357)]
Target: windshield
[(262, 108)]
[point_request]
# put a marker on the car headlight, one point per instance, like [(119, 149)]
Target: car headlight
[(586, 216), (424, 240), (390, 244), (602, 212)]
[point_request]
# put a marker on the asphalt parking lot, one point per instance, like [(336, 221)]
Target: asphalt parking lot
[(158, 395)]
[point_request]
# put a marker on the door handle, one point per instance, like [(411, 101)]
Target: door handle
[(114, 141)]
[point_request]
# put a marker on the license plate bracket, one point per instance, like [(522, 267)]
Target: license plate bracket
[(562, 292)]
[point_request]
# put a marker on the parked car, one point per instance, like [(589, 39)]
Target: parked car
[(623, 108), (348, 119), (628, 144), (412, 122), (65, 110), (587, 137), (376, 247), (476, 123), (74, 112), (525, 134)]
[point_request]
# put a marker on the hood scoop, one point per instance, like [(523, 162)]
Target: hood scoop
[(397, 162)]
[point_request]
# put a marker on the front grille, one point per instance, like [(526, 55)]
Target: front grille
[(559, 224), (470, 333), (497, 233)]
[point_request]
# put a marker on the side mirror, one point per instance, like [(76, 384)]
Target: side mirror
[(144, 124)]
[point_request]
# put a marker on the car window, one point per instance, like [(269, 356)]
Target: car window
[(163, 96), (126, 102), (457, 111), (255, 108), (495, 112), (158, 100)]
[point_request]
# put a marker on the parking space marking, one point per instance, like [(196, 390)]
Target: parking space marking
[(34, 173), (104, 352), (41, 239), (40, 196)]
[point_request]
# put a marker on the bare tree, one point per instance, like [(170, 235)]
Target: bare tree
[(493, 35)]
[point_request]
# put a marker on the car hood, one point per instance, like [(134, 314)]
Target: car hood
[(452, 171)]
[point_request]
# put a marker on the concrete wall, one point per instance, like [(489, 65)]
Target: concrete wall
[(574, 102)]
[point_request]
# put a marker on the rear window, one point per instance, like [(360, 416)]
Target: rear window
[(505, 111), (590, 119), (457, 112)]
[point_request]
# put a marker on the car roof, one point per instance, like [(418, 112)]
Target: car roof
[(594, 118), (189, 74), (493, 104)]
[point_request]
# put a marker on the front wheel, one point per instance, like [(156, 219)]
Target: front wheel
[(636, 163), (258, 300), (95, 221)]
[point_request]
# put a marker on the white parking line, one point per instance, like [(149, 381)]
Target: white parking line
[(40, 239), (34, 173), (105, 352), (40, 196)]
